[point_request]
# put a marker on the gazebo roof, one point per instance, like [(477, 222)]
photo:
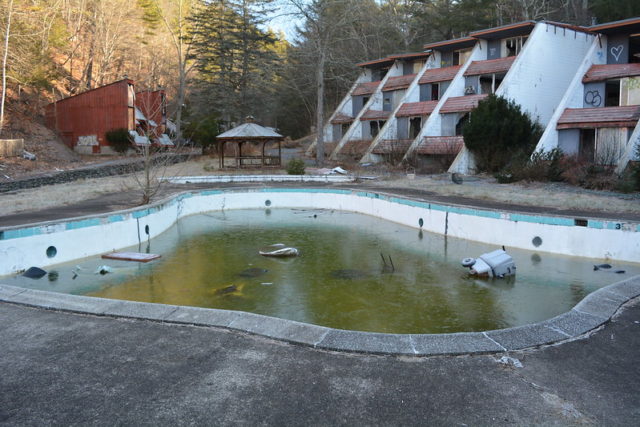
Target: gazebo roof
[(248, 131)]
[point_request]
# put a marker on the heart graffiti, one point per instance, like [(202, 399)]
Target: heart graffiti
[(616, 51)]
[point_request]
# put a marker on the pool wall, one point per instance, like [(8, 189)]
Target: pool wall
[(55, 242)]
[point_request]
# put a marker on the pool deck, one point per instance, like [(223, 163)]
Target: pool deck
[(65, 367)]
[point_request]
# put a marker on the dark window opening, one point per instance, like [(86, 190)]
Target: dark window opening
[(365, 99), (456, 58), (344, 128), (435, 91), (489, 84), (415, 124), (612, 94), (514, 45), (375, 126), (634, 49), (386, 103), (587, 149), (464, 119)]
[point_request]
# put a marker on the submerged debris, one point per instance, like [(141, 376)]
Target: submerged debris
[(104, 269), (349, 274), (278, 250), (252, 272), (607, 267)]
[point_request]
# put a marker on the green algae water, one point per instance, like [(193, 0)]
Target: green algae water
[(354, 272)]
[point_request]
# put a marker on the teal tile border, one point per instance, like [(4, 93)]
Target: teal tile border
[(31, 230)]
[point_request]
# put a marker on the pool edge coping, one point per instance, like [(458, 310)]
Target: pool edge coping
[(594, 310)]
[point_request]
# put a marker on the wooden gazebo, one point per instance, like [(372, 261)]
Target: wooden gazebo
[(250, 132)]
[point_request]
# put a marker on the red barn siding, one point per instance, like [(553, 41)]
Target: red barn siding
[(153, 106)]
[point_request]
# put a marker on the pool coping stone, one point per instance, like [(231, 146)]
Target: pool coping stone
[(594, 310)]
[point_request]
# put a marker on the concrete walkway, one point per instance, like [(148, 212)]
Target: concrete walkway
[(71, 369)]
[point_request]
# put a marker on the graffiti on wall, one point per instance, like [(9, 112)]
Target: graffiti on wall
[(87, 140), (616, 52), (593, 98)]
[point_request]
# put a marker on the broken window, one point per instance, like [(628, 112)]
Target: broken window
[(612, 93), (386, 102), (634, 48), (375, 126), (587, 148), (513, 46), (464, 119), (415, 124), (435, 91), (489, 84)]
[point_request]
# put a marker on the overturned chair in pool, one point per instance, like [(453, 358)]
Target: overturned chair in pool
[(492, 264)]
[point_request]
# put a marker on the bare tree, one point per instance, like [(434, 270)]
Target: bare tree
[(4, 62)]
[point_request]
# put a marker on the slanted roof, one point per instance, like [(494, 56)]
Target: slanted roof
[(462, 104), (505, 31), (439, 145), (375, 115), (340, 119), (625, 26), (449, 45), (249, 131), (598, 73), (398, 82), (410, 109), (443, 74), (389, 60), (605, 117), (490, 66), (366, 88)]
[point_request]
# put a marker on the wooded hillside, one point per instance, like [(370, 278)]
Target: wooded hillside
[(219, 60)]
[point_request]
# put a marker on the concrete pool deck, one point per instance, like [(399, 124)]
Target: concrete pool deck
[(363, 386)]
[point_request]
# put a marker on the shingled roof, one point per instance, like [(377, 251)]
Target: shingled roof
[(366, 88), (443, 74), (340, 119), (440, 145), (605, 117), (599, 73), (490, 66), (416, 108), (375, 115), (250, 131), (398, 82), (461, 104)]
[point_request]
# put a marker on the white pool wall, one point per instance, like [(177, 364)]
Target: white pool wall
[(26, 246)]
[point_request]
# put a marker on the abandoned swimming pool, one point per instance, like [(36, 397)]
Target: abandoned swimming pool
[(355, 272)]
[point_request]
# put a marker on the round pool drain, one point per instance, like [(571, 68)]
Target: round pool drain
[(537, 241), (420, 222), (267, 202), (51, 251), (146, 229)]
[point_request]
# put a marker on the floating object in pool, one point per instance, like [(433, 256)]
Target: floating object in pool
[(252, 272), (349, 274), (131, 256), (104, 269), (387, 268), (599, 266), (278, 250), (34, 273), (493, 264), (456, 178), (53, 276)]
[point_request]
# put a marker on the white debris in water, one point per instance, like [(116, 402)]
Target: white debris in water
[(506, 360), (267, 283)]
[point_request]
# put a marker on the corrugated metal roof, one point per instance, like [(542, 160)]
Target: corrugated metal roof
[(375, 115), (341, 118), (440, 145), (598, 73), (626, 116), (249, 131), (443, 74), (398, 82), (490, 66), (461, 104), (416, 108), (631, 25), (366, 88), (510, 30)]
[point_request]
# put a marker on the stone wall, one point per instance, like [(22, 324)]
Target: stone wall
[(97, 171)]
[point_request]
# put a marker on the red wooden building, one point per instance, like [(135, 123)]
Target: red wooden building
[(83, 119), (153, 105)]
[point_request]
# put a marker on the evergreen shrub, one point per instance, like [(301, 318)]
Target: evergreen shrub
[(119, 139), (295, 167)]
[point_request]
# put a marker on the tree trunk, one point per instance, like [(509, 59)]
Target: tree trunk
[(320, 108), (4, 64)]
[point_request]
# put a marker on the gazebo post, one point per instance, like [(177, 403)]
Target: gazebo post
[(263, 145), (279, 153), (239, 155), (221, 154)]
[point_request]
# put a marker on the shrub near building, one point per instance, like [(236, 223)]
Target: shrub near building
[(499, 134)]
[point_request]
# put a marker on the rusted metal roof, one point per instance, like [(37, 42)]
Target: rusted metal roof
[(375, 115), (454, 44), (438, 145), (510, 30), (416, 108), (399, 82), (340, 119), (605, 117), (490, 66), (388, 146), (624, 26), (366, 88), (249, 131), (598, 73), (443, 74), (461, 104)]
